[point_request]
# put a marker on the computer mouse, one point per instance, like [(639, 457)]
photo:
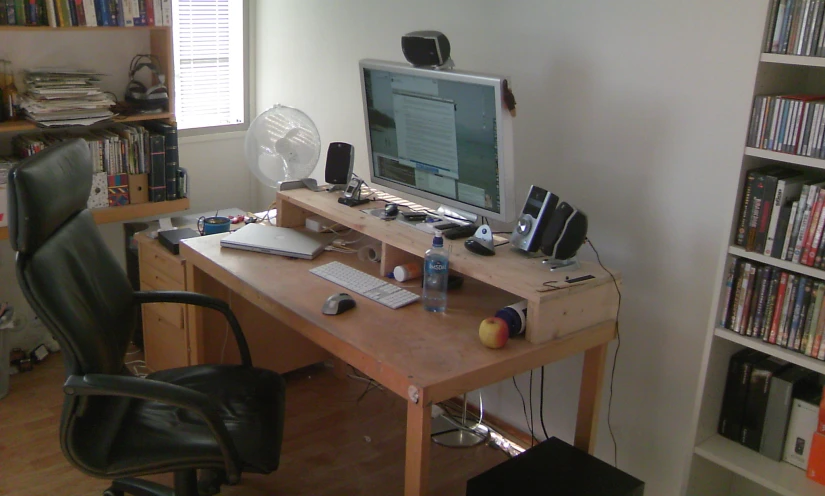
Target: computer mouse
[(391, 210), (338, 304)]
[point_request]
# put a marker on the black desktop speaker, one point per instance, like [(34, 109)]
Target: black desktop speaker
[(340, 157), (534, 218), (565, 233), (426, 48)]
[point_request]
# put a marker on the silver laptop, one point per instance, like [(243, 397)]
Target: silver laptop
[(278, 241)]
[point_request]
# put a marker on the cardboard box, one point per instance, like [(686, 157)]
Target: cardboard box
[(804, 419), (816, 462)]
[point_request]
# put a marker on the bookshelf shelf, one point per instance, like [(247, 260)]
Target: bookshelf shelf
[(775, 58), (788, 158), (35, 29), (783, 264), (129, 212), (772, 349), (780, 477), (24, 125)]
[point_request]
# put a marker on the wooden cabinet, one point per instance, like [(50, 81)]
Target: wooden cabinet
[(719, 466), (164, 324), (105, 49), (167, 341)]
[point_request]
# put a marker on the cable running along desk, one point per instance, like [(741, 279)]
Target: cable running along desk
[(424, 358)]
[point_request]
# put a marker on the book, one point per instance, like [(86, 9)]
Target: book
[(814, 313), (786, 244), (761, 299), (157, 173), (771, 179), (781, 230), (744, 210), (787, 308), (736, 390), (786, 187), (727, 308), (772, 304), (778, 408), (757, 400), (170, 135), (797, 313)]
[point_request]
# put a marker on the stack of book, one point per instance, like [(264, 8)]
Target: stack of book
[(776, 306), (795, 27), (759, 406), (132, 163), (60, 98), (67, 13), (782, 215), (789, 124)]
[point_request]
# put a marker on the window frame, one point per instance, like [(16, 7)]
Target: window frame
[(247, 85)]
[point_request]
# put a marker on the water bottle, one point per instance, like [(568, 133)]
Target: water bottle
[(436, 266)]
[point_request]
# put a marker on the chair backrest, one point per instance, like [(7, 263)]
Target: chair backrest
[(64, 268)]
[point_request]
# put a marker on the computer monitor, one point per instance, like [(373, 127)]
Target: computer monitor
[(442, 135)]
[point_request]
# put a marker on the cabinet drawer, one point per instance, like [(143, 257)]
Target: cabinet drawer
[(164, 345), (156, 278), (173, 313), (154, 255)]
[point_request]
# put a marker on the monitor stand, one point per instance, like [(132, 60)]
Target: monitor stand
[(569, 264)]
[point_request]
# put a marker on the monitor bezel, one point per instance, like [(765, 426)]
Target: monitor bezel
[(504, 133)]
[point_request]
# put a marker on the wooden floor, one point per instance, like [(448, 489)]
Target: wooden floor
[(334, 444)]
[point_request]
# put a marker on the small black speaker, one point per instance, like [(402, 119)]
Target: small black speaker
[(426, 48), (340, 157), (565, 233)]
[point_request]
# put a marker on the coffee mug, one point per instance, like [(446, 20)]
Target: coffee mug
[(213, 225)]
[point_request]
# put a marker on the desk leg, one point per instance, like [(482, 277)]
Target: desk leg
[(590, 395), (417, 468)]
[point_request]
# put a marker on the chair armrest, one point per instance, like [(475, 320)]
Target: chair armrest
[(201, 300), (163, 392)]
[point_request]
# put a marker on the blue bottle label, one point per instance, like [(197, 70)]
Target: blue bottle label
[(437, 266)]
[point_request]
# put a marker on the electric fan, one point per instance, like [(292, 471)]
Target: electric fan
[(282, 144)]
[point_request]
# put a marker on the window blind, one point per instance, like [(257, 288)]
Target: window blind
[(209, 62)]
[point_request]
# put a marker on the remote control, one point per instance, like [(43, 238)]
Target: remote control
[(459, 232)]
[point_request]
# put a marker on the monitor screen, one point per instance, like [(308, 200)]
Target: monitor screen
[(439, 135)]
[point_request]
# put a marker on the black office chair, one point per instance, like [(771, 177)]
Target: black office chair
[(222, 419)]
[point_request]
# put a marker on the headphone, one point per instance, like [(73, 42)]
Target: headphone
[(154, 98)]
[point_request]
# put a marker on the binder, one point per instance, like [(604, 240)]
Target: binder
[(157, 170), (170, 135)]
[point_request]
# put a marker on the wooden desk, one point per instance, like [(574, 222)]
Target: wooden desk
[(425, 358)]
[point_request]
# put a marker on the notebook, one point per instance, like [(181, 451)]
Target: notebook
[(278, 241)]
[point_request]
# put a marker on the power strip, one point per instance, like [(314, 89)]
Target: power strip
[(319, 224)]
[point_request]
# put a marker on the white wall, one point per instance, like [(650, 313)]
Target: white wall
[(635, 111)]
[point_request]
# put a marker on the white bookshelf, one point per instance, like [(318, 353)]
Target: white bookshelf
[(717, 465), (779, 477)]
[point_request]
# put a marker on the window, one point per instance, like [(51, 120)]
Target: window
[(210, 78)]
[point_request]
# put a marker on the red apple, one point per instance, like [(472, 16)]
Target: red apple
[(493, 332)]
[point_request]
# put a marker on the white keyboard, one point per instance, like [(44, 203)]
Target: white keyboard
[(366, 285)]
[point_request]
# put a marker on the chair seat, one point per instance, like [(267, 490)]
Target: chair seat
[(248, 400)]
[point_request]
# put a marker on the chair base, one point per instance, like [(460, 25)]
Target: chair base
[(186, 484)]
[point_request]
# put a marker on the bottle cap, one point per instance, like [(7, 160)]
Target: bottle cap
[(400, 273), (437, 240)]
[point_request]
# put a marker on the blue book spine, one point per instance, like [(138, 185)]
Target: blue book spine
[(102, 12)]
